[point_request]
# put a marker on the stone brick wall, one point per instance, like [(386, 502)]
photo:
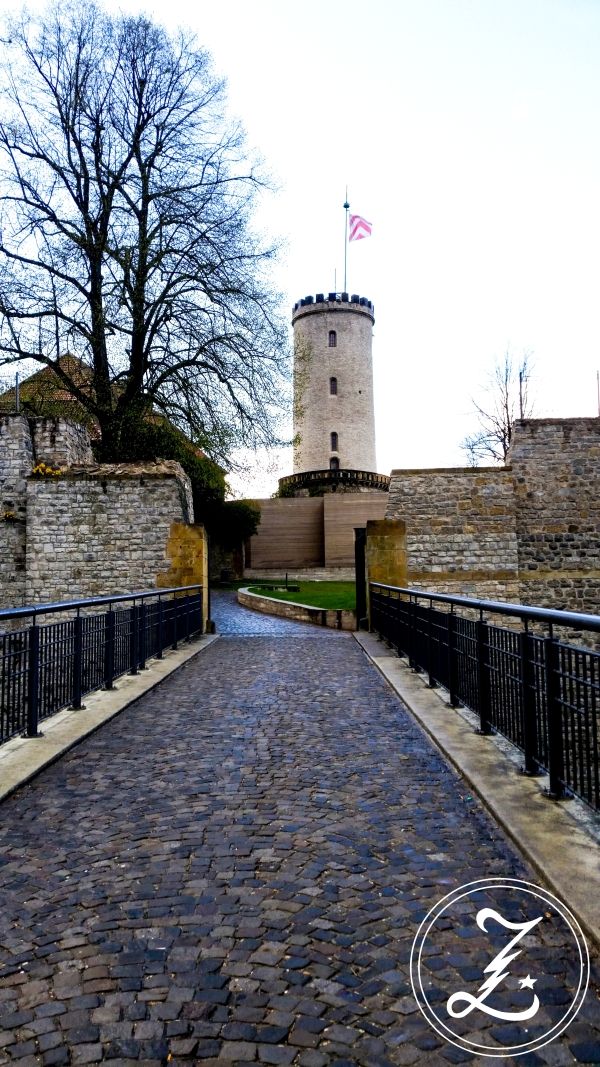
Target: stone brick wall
[(60, 442), (460, 530), (350, 413), (101, 530), (556, 471), (16, 461)]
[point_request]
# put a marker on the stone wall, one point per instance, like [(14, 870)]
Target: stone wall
[(60, 442), (101, 530), (460, 530), (333, 618), (556, 472), (90, 529), (16, 461)]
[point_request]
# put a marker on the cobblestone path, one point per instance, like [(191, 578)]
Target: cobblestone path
[(235, 868)]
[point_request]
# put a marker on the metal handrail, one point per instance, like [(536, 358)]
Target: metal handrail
[(76, 605), (47, 667), (539, 691), (572, 619)]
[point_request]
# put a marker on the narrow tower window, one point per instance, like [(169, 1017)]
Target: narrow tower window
[(333, 386), (334, 464), (334, 442), (332, 339)]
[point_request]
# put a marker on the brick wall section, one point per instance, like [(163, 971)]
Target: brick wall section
[(556, 471), (16, 461), (460, 530), (60, 442), (102, 530), (350, 413)]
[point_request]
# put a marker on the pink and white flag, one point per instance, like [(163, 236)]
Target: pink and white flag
[(359, 228)]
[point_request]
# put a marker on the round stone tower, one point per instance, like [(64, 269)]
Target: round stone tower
[(334, 420)]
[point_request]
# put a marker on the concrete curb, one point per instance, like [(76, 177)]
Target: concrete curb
[(566, 857), (21, 759), (332, 618)]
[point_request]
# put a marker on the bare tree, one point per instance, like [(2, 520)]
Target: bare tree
[(507, 398), (126, 240)]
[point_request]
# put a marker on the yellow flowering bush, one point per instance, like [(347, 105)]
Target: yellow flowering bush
[(42, 468)]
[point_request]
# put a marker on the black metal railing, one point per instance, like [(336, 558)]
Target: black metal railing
[(49, 666), (332, 479), (541, 693)]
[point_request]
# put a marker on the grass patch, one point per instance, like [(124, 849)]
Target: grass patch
[(335, 595)]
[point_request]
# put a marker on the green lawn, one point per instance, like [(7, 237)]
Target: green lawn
[(317, 594)]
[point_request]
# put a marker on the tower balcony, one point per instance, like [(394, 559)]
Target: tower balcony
[(332, 481)]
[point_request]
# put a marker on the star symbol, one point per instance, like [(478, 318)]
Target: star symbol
[(527, 983)]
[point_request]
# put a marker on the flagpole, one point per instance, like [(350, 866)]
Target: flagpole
[(346, 206)]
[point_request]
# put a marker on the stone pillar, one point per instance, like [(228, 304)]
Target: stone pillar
[(187, 548), (386, 557)]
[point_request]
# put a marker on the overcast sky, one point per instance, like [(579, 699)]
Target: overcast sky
[(468, 134)]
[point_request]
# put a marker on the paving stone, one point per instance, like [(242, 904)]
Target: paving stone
[(235, 868), (238, 1050), (311, 1058), (586, 1051), (276, 1054)]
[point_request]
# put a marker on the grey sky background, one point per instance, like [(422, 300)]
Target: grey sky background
[(468, 134)]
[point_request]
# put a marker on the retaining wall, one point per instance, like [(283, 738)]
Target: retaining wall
[(460, 530), (329, 617)]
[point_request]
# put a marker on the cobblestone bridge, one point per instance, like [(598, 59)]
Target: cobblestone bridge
[(234, 870)]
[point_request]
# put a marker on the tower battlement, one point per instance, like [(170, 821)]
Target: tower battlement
[(332, 300)]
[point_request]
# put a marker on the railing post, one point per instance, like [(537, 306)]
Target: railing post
[(33, 681), (208, 562), (175, 623), (360, 536), (187, 617), (109, 649), (133, 645), (452, 699), (528, 706), (385, 615), (142, 633), (555, 734), (431, 683), (77, 662), (159, 654), (411, 635), (483, 678)]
